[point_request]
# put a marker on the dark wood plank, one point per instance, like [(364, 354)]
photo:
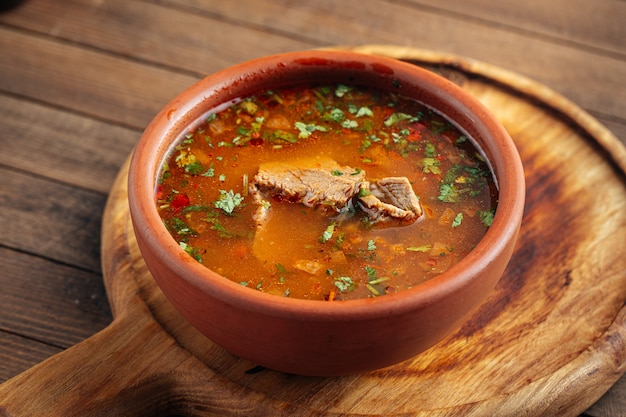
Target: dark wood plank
[(50, 219), (50, 302), (110, 88), (321, 23), (18, 354), (590, 23), (587, 78), (63, 146), (193, 42)]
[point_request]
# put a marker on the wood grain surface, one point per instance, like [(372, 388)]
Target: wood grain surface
[(548, 341), (80, 79)]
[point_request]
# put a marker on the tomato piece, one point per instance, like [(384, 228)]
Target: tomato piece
[(180, 201)]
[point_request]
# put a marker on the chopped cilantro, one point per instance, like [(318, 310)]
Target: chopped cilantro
[(180, 227), (209, 172), (431, 151), (439, 126), (364, 192), (365, 143), (344, 284), (486, 217), (458, 219), (306, 129), (431, 165), (339, 241), (258, 122), (328, 233), (228, 201), (448, 193), (349, 124), (281, 135), (371, 245), (336, 172), (364, 112), (371, 273), (194, 168), (396, 117), (249, 107), (335, 115), (191, 251), (341, 90), (221, 230), (197, 208)]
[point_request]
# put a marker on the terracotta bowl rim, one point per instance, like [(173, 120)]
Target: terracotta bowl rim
[(145, 217)]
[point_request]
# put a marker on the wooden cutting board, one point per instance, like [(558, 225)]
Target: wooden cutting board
[(550, 340)]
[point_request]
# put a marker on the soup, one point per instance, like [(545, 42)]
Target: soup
[(326, 192)]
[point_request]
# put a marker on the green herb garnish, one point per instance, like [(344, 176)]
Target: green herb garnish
[(228, 201), (344, 284), (328, 233), (486, 217), (307, 129), (458, 219)]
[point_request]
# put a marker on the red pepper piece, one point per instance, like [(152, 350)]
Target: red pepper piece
[(180, 201)]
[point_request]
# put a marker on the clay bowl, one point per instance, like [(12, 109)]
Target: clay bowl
[(317, 337)]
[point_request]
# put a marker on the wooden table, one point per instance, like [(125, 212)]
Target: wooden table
[(80, 79)]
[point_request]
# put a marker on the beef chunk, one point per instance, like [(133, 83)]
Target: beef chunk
[(323, 182), (310, 182), (390, 198)]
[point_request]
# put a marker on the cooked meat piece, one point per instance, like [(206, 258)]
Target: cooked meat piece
[(311, 182), (390, 198), (319, 181), (262, 212)]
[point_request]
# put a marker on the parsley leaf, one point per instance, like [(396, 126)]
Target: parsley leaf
[(335, 115), (344, 284), (371, 272), (341, 90), (486, 217), (349, 124), (191, 251), (328, 233), (364, 111), (180, 227), (194, 168), (431, 165), (306, 129), (457, 220), (228, 201), (448, 193), (396, 117)]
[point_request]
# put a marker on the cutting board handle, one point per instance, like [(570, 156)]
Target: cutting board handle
[(132, 367)]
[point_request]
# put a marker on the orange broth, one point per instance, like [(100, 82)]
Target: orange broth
[(204, 199)]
